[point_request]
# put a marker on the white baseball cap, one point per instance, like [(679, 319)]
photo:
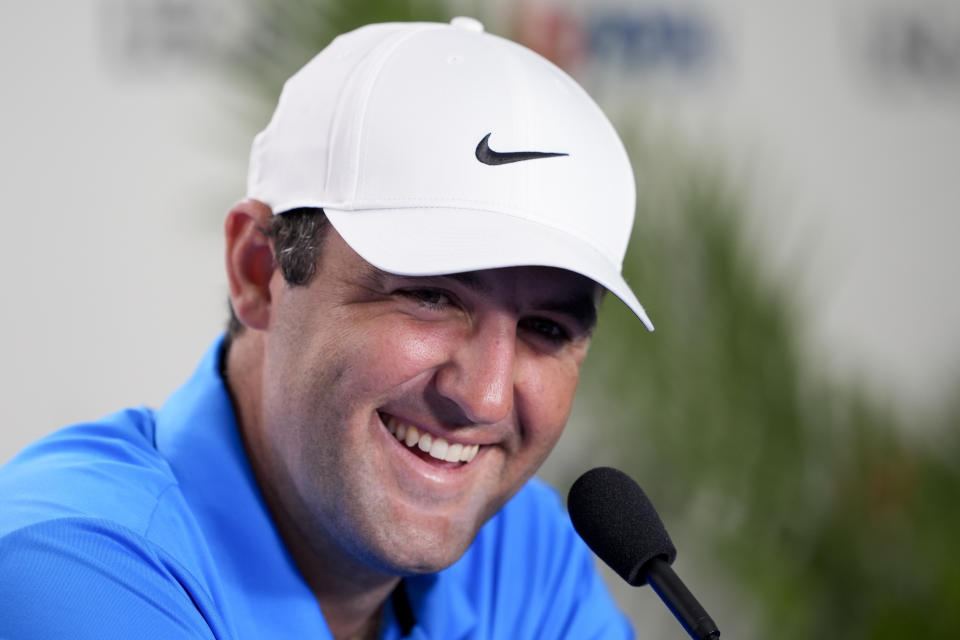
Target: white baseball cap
[(439, 148)]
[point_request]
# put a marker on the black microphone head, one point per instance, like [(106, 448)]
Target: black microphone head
[(616, 519)]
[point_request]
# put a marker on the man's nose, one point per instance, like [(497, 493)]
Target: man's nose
[(479, 376)]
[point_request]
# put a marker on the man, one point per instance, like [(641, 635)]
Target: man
[(432, 215)]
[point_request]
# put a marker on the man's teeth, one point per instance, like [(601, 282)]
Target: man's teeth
[(437, 447)]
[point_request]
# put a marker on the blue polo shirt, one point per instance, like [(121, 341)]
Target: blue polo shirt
[(149, 524)]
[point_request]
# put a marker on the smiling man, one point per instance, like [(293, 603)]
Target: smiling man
[(433, 214)]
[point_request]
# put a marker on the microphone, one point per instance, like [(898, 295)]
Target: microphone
[(616, 519)]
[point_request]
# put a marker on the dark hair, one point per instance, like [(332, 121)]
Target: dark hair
[(297, 236)]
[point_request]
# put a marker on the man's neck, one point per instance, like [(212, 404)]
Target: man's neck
[(351, 595), (351, 598)]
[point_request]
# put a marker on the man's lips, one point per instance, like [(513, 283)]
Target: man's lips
[(435, 446)]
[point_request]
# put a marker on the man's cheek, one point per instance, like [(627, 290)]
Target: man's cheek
[(409, 351)]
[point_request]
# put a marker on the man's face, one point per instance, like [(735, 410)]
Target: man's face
[(487, 361)]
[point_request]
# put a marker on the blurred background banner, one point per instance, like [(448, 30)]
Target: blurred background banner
[(795, 415)]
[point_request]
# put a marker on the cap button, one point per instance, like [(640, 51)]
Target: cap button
[(470, 24)]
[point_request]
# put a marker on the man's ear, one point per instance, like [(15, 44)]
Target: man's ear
[(250, 263)]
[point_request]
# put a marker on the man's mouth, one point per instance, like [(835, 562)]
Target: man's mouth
[(435, 446)]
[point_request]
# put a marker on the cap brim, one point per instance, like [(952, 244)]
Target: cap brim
[(433, 241)]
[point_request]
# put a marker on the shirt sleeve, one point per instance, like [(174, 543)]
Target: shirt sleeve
[(82, 578)]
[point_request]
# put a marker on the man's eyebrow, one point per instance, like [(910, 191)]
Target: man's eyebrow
[(471, 281), (582, 308), (373, 277)]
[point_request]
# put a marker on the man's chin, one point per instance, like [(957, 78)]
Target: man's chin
[(423, 554), (426, 563)]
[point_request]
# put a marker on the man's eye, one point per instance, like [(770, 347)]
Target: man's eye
[(430, 298), (552, 331)]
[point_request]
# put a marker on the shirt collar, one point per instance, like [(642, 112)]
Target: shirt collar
[(197, 433), (441, 606)]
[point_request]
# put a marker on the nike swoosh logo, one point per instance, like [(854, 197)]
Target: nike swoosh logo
[(486, 155)]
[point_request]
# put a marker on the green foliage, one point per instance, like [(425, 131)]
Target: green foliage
[(810, 494)]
